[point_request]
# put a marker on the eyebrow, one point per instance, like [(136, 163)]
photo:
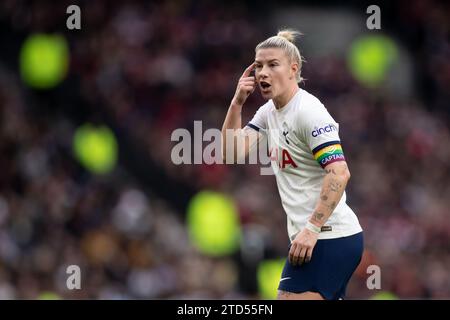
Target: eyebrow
[(271, 60)]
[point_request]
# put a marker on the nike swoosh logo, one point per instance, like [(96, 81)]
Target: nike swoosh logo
[(285, 278)]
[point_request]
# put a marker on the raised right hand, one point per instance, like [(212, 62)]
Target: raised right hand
[(245, 87)]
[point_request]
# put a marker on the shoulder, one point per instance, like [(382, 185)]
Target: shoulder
[(260, 119), (266, 107), (308, 97), (310, 110), (265, 110), (309, 104)]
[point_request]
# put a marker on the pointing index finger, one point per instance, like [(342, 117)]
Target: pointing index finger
[(248, 70)]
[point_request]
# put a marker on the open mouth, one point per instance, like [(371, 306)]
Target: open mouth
[(264, 85)]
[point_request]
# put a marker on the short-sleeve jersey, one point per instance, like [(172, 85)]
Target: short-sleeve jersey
[(303, 139)]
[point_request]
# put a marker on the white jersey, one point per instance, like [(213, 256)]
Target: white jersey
[(303, 138)]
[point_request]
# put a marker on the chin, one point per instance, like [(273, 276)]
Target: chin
[(267, 95)]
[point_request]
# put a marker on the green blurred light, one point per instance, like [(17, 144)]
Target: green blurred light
[(384, 295), (48, 295), (44, 60), (213, 223), (269, 275), (370, 58), (96, 148)]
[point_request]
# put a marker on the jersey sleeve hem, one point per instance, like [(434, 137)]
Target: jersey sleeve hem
[(250, 125)]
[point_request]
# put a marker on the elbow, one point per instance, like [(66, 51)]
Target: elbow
[(232, 149), (223, 151), (346, 175), (343, 174), (228, 154), (223, 146)]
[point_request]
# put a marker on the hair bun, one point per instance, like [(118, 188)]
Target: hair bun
[(288, 34)]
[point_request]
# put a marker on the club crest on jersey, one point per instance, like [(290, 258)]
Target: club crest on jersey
[(285, 131), (282, 157), (318, 131)]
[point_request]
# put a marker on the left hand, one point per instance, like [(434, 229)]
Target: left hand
[(302, 247)]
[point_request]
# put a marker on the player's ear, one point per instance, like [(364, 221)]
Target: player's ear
[(294, 69)]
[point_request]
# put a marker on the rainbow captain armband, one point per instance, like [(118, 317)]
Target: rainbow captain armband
[(328, 153)]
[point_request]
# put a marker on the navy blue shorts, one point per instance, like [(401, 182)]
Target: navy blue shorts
[(332, 264)]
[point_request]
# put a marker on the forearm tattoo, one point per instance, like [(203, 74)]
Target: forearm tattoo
[(335, 186), (333, 183), (318, 216)]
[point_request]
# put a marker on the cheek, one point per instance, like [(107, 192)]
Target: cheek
[(280, 77), (286, 75)]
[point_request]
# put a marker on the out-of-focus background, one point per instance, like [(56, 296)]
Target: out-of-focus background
[(87, 178)]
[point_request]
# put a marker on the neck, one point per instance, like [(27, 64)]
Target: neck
[(283, 100)]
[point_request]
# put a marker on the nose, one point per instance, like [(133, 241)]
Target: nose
[(263, 73)]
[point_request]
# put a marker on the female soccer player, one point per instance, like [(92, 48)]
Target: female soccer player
[(311, 171)]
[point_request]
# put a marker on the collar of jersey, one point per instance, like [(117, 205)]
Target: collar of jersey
[(287, 105)]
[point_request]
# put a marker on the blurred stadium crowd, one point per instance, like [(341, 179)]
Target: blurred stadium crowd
[(147, 68)]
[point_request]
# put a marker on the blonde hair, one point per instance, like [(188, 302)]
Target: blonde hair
[(285, 41)]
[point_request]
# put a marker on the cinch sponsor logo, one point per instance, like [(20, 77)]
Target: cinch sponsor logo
[(319, 131)]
